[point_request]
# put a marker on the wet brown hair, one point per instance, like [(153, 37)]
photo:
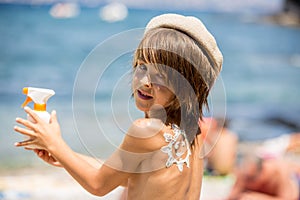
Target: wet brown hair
[(184, 63)]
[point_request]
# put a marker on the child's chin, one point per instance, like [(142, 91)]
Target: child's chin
[(142, 108)]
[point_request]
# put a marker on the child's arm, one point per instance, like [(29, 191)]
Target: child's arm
[(47, 136), (48, 158), (96, 181)]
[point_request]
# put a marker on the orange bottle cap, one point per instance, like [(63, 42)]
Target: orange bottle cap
[(25, 90), (39, 107)]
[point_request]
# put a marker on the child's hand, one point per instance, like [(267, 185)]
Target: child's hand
[(42, 134), (47, 157)]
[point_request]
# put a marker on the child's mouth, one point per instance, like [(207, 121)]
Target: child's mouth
[(144, 95)]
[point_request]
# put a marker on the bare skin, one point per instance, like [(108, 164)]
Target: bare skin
[(167, 183)]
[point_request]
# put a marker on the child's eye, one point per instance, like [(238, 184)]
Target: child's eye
[(142, 67), (158, 79)]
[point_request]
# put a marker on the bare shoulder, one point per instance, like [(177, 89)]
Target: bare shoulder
[(145, 128), (144, 135), (138, 147)]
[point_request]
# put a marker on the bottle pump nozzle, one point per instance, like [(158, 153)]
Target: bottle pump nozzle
[(39, 96)]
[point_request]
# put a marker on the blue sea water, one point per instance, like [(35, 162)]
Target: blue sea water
[(260, 76)]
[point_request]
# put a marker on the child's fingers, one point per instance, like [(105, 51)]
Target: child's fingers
[(46, 156), (32, 114), (25, 131), (26, 123), (39, 152), (25, 143), (43, 155)]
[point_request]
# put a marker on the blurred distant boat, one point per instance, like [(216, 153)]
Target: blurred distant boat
[(113, 12), (64, 10)]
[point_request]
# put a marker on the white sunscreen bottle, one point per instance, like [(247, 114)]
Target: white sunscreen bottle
[(39, 96)]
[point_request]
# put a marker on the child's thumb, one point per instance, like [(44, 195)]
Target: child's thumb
[(53, 118)]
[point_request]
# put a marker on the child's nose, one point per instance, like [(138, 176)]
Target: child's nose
[(146, 81)]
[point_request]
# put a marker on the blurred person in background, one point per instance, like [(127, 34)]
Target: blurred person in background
[(221, 144), (268, 173), (279, 146), (265, 179)]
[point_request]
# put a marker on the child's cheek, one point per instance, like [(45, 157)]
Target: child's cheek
[(135, 83)]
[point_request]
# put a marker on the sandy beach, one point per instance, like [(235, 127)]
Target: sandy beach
[(55, 184), (44, 183)]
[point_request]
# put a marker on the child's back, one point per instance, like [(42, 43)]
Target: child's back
[(167, 167)]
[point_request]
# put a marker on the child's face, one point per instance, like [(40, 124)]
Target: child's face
[(150, 88)]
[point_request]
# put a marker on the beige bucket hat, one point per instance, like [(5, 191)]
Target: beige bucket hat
[(194, 28)]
